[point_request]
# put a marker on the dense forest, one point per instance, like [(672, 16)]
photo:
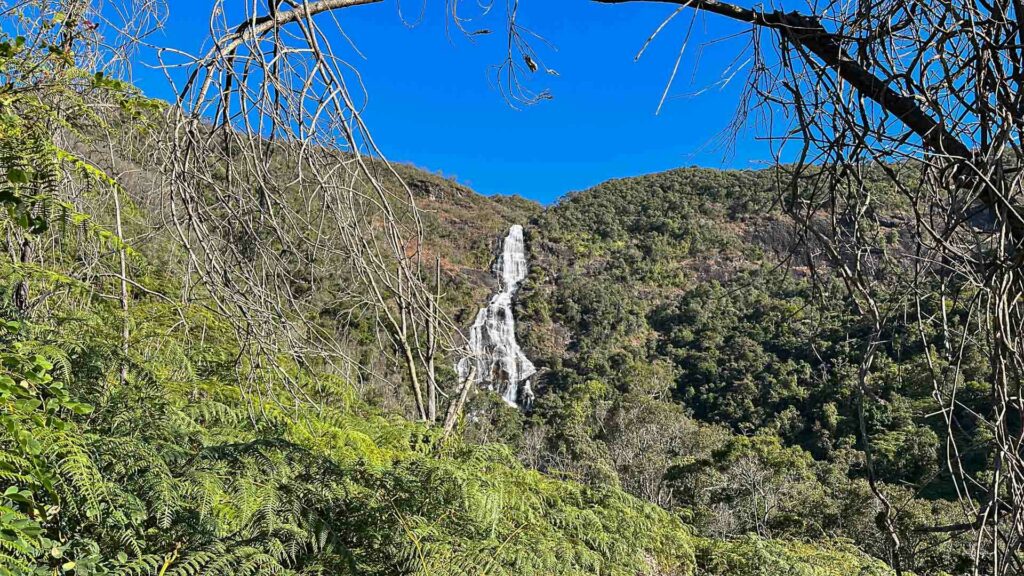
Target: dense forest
[(230, 329), (690, 359)]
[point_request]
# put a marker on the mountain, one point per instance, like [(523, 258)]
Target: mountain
[(690, 352)]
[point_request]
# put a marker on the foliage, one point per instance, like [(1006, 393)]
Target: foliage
[(753, 557), (672, 312), (169, 475)]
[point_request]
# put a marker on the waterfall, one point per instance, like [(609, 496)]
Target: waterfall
[(500, 364)]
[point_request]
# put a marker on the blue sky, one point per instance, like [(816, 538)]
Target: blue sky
[(431, 102)]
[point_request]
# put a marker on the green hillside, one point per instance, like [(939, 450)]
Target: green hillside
[(686, 356), (215, 345)]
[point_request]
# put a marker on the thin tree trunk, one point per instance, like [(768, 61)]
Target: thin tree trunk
[(123, 264), (122, 261), (410, 358), (456, 407), (432, 346), (21, 291)]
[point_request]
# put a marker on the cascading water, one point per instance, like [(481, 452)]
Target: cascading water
[(500, 364)]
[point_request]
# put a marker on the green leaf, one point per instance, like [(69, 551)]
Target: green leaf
[(17, 176), (32, 446), (27, 404), (79, 407)]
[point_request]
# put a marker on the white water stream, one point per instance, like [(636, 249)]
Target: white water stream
[(500, 364)]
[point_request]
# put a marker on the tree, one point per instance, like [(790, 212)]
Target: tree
[(290, 219), (286, 206)]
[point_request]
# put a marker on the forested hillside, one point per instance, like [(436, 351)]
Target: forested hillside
[(688, 357), (162, 415)]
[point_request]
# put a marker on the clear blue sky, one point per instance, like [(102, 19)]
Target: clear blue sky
[(431, 103)]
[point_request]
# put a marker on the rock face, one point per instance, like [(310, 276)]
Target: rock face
[(500, 364)]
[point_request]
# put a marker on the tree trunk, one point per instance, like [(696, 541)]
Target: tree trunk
[(456, 407), (21, 290)]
